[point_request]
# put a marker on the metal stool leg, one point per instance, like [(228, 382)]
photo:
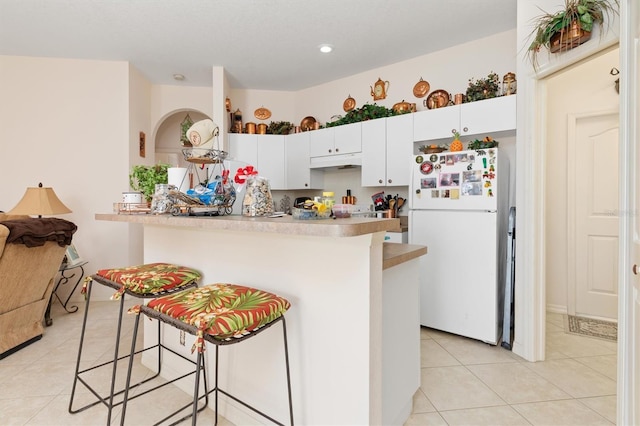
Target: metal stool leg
[(84, 326), (115, 361), (108, 401), (286, 359), (126, 387)]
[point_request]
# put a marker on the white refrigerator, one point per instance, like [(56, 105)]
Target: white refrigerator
[(458, 208)]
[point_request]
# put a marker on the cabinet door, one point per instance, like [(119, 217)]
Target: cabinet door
[(271, 159), (399, 149), (348, 138), (321, 142), (490, 115), (243, 147), (296, 152), (374, 152), (437, 123)]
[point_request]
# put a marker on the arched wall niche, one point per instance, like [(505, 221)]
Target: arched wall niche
[(168, 148)]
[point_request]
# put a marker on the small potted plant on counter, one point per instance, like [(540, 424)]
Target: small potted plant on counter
[(145, 178)]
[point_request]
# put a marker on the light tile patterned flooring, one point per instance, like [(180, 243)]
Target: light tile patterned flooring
[(464, 382)]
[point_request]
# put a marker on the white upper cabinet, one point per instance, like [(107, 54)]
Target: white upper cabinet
[(399, 149), (264, 152), (490, 115), (386, 150), (321, 142), (271, 160), (436, 123), (346, 139), (243, 147), (298, 173), (374, 152)]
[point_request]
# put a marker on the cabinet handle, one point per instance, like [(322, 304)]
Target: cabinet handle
[(390, 181), (379, 180), (453, 131), (306, 184), (329, 151), (465, 129), (337, 150), (635, 269)]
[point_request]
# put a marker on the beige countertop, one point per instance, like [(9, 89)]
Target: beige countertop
[(394, 253), (349, 227)]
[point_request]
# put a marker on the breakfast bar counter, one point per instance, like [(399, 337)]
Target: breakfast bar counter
[(353, 325)]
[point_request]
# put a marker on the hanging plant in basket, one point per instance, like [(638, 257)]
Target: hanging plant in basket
[(570, 27), (483, 88)]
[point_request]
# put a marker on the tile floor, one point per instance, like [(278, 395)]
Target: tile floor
[(464, 382)]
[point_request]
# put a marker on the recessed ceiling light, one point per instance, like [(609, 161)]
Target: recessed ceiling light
[(178, 77), (325, 48)]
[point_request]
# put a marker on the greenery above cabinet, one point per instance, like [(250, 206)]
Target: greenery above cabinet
[(365, 112)]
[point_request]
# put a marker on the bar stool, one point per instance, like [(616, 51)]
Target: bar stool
[(143, 281), (221, 314)]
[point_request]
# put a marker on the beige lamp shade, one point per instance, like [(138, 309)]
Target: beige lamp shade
[(39, 201)]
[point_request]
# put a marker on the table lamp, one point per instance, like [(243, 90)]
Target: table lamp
[(39, 201)]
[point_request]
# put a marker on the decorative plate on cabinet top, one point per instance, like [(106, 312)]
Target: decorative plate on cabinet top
[(307, 123), (421, 88), (262, 113), (349, 104), (437, 99)]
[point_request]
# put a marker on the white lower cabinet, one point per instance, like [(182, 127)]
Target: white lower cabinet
[(387, 146)]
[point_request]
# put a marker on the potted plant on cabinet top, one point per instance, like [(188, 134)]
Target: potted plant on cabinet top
[(145, 178), (570, 27)]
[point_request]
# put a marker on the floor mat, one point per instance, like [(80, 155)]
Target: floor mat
[(606, 330)]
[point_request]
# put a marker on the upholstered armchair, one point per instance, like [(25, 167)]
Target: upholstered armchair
[(31, 251)]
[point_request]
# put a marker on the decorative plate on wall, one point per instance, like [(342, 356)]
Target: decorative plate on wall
[(262, 113), (421, 88), (349, 104)]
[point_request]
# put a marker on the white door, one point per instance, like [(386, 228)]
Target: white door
[(629, 308), (593, 254)]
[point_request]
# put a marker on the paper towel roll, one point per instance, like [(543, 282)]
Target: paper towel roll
[(178, 177)]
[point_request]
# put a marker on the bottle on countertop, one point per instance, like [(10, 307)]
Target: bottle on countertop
[(328, 199)]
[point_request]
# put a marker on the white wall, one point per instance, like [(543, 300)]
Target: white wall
[(65, 123), (448, 69), (567, 92)]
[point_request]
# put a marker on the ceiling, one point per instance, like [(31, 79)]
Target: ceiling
[(262, 44)]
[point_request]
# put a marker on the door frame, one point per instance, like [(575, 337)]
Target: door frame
[(571, 202), (628, 393), (530, 294)]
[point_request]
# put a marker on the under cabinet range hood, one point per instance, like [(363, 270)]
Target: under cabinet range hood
[(336, 161)]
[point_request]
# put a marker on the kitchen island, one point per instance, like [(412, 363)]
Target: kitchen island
[(353, 325)]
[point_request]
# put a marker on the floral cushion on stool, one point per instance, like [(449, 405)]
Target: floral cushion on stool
[(148, 279), (220, 310)]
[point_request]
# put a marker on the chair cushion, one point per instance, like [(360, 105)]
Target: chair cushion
[(223, 311), (148, 279)]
